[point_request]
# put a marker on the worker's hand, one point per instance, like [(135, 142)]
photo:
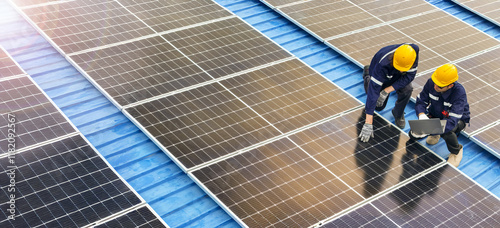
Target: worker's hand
[(366, 132), (417, 136), (381, 98), (423, 117)]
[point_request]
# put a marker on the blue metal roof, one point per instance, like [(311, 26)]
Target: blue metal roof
[(169, 191)]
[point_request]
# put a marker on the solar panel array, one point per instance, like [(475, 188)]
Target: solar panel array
[(51, 176), (273, 141), (359, 28), (443, 197), (485, 8)]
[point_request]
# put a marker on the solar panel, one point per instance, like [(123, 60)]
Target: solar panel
[(25, 3), (484, 66), (277, 3), (326, 18), (142, 217), (202, 124), (64, 183), (290, 95), (389, 10), (315, 174), (226, 47), (79, 25), (8, 67), (31, 117), (368, 168), (361, 46), (172, 14), (443, 197), (490, 138), (446, 35), (140, 70), (486, 8)]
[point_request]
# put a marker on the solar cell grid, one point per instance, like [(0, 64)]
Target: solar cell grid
[(485, 66), (491, 138), (142, 217), (64, 184), (442, 198), (363, 45), (388, 10), (25, 3), (35, 118), (277, 185), (487, 8), (79, 25), (290, 95), (139, 70), (446, 35), (225, 47), (171, 14), (202, 124), (7, 65), (371, 167), (326, 18)]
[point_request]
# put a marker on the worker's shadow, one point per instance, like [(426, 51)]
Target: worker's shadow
[(410, 195), (375, 156)]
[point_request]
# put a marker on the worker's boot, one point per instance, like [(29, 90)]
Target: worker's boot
[(400, 122), (454, 159), (433, 139)]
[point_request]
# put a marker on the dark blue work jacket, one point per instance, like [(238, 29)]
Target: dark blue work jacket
[(383, 74), (451, 105)]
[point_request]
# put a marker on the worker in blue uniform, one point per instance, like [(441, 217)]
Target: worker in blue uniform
[(444, 98), (392, 68)]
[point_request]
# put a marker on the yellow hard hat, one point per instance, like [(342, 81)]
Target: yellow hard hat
[(445, 75), (404, 57)]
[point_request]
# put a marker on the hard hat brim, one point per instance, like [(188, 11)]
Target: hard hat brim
[(402, 69)]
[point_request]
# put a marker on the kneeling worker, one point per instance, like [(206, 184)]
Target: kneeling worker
[(444, 98), (392, 68)]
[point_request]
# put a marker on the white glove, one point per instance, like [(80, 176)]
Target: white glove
[(417, 136), (423, 117)]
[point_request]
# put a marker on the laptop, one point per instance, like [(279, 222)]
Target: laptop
[(427, 126)]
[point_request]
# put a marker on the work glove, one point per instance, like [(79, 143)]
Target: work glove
[(417, 136), (381, 98), (423, 117), (366, 132)]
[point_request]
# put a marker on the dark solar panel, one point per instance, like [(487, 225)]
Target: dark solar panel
[(361, 46), (142, 217), (29, 114), (7, 65), (310, 176), (80, 25), (490, 138), (326, 18), (202, 124), (367, 216), (277, 185), (171, 14), (485, 66), (446, 35), (226, 47), (62, 184), (290, 95), (388, 10), (139, 70), (442, 198), (371, 167), (487, 8)]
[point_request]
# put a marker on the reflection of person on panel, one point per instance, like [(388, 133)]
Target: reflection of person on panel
[(375, 157)]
